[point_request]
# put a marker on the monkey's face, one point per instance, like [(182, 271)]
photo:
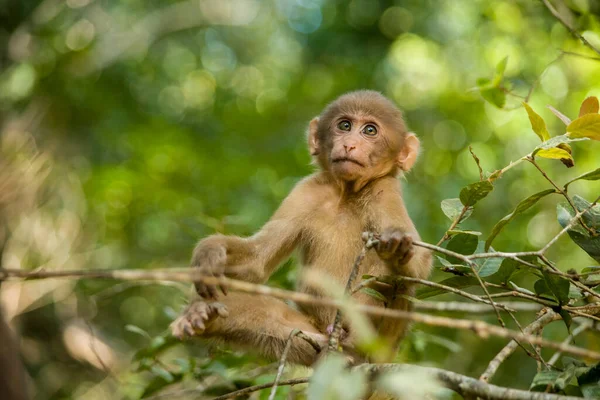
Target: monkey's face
[(361, 136), (358, 148)]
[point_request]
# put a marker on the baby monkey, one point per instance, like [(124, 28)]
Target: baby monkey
[(361, 144)]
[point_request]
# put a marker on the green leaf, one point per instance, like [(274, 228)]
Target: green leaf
[(554, 154), (592, 216), (589, 106), (543, 379), (585, 126), (138, 330), (452, 209), (507, 268), (374, 293), (537, 123), (559, 287), (490, 266), (521, 207), (563, 379), (447, 266), (457, 282), (590, 244), (474, 192), (556, 141), (588, 176), (500, 68), (495, 96), (462, 244), (520, 289), (589, 382), (457, 231), (567, 319), (595, 269)]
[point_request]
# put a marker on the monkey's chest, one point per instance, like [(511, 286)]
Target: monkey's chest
[(332, 241)]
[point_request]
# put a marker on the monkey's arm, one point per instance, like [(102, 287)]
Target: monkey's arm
[(397, 233), (252, 259)]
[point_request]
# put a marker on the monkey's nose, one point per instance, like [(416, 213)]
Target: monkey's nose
[(349, 148)]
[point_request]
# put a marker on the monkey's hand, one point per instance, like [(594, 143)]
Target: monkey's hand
[(196, 316), (210, 257), (395, 246)]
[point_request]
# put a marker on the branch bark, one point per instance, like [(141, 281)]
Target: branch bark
[(467, 386), (191, 275), (533, 328)]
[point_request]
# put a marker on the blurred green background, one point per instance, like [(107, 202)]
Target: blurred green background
[(133, 128)]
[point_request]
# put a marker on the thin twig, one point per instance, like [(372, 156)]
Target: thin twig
[(256, 388), (334, 337), (464, 307), (561, 191), (465, 385), (584, 326), (481, 328), (569, 27), (282, 360), (533, 328)]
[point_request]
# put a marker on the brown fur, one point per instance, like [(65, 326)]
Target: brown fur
[(323, 217)]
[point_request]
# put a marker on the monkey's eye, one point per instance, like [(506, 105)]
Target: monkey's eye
[(344, 125), (370, 130)]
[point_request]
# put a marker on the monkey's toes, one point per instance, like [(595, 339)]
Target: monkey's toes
[(182, 328)]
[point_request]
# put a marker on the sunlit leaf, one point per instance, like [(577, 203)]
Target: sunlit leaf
[(521, 207), (537, 123), (585, 126), (589, 106), (588, 176), (558, 140), (474, 192), (495, 96), (566, 120), (555, 153), (500, 68)]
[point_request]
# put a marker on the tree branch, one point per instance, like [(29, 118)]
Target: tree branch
[(533, 328), (467, 386), (479, 327), (564, 22)]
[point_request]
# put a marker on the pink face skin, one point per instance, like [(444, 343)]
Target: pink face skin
[(358, 144)]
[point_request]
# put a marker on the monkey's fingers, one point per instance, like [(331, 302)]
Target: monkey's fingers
[(223, 289), (407, 256), (220, 309)]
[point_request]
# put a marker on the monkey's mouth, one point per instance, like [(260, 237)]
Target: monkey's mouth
[(346, 159)]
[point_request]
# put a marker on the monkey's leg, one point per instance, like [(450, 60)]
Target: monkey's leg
[(255, 322)]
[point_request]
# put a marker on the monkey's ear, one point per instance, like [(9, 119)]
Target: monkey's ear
[(409, 152), (313, 139)]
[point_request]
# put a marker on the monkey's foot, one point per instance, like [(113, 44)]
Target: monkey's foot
[(196, 316)]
